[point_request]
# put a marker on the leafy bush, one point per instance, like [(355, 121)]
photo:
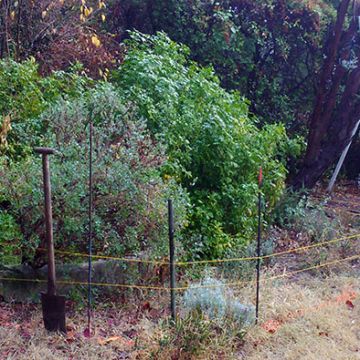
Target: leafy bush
[(214, 147), (24, 95), (10, 238), (297, 212), (129, 193), (212, 299), (167, 122), (266, 49)]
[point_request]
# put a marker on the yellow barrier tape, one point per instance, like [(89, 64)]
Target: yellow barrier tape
[(148, 287), (184, 263)]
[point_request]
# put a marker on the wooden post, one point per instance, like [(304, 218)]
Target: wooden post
[(341, 160)]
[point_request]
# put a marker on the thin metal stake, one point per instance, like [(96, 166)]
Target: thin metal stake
[(172, 260), (90, 225), (258, 250)]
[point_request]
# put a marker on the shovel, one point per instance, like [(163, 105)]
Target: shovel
[(53, 306)]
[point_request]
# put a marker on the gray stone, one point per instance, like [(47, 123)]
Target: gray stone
[(27, 283)]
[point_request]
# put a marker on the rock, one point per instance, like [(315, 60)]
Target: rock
[(27, 283)]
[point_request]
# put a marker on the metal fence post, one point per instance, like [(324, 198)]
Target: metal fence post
[(90, 234), (172, 259), (258, 249)]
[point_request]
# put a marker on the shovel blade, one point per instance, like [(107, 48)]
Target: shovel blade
[(53, 308)]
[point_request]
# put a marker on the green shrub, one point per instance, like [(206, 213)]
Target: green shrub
[(297, 212), (129, 192), (211, 298), (166, 125), (10, 239), (25, 94), (213, 145)]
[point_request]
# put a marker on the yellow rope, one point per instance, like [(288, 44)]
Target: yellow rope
[(154, 262), (303, 248), (65, 282), (184, 263), (234, 284)]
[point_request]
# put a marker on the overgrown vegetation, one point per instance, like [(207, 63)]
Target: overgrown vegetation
[(130, 194), (188, 100), (296, 211), (164, 123), (24, 95), (215, 149)]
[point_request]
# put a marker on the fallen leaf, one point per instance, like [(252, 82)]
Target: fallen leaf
[(102, 341), (271, 326), (86, 333), (146, 306), (125, 342), (349, 304)]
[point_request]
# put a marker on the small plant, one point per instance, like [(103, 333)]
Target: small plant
[(214, 324), (212, 299), (297, 212)]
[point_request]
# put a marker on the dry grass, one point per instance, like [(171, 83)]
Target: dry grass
[(307, 319), (314, 319)]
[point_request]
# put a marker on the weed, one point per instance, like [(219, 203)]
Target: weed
[(297, 212)]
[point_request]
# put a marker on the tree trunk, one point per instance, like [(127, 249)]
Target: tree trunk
[(4, 30), (335, 114)]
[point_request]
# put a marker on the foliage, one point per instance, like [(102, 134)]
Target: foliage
[(10, 238), (214, 147), (212, 299), (201, 137), (268, 50), (297, 212), (58, 34), (214, 322), (195, 336), (336, 109), (129, 193), (24, 95)]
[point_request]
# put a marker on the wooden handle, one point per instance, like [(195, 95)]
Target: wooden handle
[(44, 151)]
